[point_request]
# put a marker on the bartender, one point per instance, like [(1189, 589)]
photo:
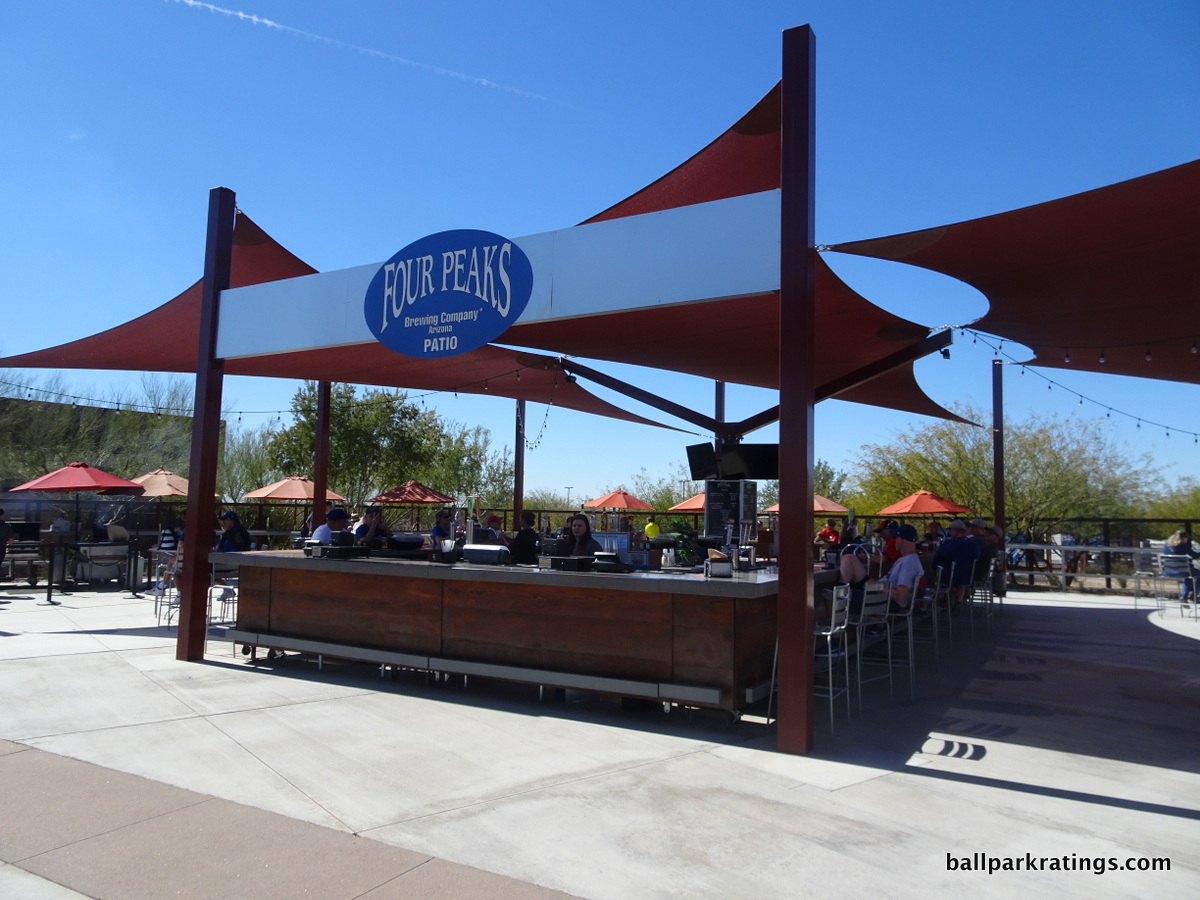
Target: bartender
[(580, 539)]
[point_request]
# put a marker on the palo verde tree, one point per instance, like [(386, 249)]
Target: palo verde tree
[(1055, 469)]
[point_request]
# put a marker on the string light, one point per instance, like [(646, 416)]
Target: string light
[(1108, 410)]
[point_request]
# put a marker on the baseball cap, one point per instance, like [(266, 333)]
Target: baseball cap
[(906, 533), (336, 513), (958, 523), (228, 514), (978, 523)]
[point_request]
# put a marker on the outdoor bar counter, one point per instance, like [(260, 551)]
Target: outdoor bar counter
[(660, 636)]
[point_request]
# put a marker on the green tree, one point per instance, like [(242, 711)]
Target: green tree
[(1054, 470), (123, 434), (245, 462), (376, 440), (663, 493)]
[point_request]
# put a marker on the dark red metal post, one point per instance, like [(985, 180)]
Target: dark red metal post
[(206, 431), (796, 391), (519, 467), (999, 513), (321, 454)]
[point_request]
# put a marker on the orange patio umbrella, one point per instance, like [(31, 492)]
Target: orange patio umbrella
[(294, 487), (923, 503), (692, 504), (820, 505), (412, 492), (619, 500), (161, 483)]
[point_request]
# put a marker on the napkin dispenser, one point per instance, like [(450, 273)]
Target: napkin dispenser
[(718, 568)]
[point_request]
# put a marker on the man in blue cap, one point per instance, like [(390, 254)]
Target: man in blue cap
[(337, 519), (234, 536)]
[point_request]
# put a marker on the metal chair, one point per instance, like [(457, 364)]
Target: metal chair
[(1176, 567), (872, 615), (1145, 568), (905, 619), (982, 591), (835, 640), (222, 593), (938, 596)]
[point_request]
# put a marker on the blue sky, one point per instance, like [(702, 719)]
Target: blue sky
[(349, 130)]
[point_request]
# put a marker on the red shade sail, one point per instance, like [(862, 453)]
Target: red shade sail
[(80, 476), (294, 487), (921, 503), (727, 340), (618, 500), (1073, 278), (412, 492)]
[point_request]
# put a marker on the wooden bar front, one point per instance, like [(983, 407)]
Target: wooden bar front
[(679, 632)]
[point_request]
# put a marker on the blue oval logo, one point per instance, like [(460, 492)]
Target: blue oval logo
[(448, 293)]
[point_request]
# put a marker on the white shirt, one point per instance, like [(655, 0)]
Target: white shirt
[(323, 534), (906, 572)]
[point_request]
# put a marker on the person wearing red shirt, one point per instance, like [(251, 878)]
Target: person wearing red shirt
[(829, 534)]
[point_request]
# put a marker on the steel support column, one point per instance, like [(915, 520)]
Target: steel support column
[(193, 581), (796, 392)]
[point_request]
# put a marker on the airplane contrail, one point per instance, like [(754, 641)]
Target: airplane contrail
[(379, 54)]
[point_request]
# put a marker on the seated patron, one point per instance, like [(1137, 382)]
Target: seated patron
[(372, 532), (234, 536), (891, 551), (829, 534), (493, 533), (442, 529), (961, 551), (523, 548), (337, 520), (853, 571), (906, 572), (580, 539)]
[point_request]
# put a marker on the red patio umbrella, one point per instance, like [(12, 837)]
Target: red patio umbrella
[(294, 487), (80, 476), (820, 505), (412, 492), (923, 503), (619, 500)]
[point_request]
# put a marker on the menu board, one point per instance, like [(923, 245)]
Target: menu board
[(728, 500)]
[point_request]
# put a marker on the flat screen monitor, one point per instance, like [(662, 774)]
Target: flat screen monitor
[(755, 462), (702, 460)]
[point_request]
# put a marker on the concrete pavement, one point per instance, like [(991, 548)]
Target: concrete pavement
[(1069, 733)]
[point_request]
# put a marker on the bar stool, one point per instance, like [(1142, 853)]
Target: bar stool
[(835, 639)]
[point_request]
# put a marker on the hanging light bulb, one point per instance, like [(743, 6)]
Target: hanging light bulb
[(1194, 350), (1149, 355), (1101, 354)]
